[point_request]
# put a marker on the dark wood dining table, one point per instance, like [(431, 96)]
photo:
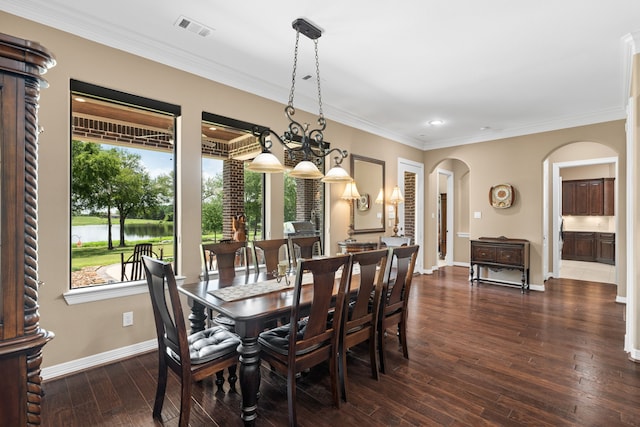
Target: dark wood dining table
[(251, 316)]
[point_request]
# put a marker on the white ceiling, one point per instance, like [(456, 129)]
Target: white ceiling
[(514, 67)]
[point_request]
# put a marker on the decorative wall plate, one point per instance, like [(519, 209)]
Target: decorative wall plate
[(363, 202), (502, 196)]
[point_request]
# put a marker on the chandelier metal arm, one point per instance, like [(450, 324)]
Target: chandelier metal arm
[(299, 138)]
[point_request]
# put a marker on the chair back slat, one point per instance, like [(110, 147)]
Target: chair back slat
[(169, 318), (399, 279), (270, 250), (224, 254), (305, 247), (324, 281), (372, 266)]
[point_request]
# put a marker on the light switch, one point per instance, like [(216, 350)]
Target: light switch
[(477, 215)]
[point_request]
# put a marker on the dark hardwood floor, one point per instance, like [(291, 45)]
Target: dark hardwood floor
[(485, 355)]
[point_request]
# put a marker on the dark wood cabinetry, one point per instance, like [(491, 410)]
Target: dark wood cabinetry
[(588, 197), (606, 248), (589, 246), (21, 338), (500, 253)]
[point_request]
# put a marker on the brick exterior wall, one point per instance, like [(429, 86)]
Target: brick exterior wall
[(409, 205), (233, 194)]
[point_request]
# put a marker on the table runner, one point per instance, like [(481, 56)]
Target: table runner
[(237, 292)]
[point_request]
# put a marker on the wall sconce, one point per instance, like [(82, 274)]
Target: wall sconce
[(395, 199), (350, 194)]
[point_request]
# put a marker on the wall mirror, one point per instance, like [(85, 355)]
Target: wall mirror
[(368, 210)]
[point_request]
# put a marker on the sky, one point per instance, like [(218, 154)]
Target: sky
[(161, 163)]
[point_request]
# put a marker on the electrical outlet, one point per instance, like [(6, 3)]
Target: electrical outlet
[(127, 318)]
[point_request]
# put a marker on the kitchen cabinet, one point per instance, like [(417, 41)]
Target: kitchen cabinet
[(588, 197), (589, 246), (606, 248)]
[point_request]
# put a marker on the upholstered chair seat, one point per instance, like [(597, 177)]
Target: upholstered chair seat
[(209, 344)]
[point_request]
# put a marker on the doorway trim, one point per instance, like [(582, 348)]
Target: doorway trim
[(448, 258), (410, 166), (557, 205)]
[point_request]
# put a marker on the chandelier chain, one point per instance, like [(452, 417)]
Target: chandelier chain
[(318, 79), (293, 74)]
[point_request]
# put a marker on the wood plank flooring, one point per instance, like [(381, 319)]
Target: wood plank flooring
[(479, 356)]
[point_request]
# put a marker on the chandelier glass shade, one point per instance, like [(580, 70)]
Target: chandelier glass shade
[(299, 138)]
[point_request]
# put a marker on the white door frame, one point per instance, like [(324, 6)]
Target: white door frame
[(410, 166), (557, 204), (448, 258)]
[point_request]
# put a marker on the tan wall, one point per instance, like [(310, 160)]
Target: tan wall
[(91, 328), (87, 329), (519, 161)]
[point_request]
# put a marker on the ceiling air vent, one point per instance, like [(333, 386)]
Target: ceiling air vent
[(193, 26)]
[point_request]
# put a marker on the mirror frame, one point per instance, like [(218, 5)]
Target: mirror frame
[(354, 173)]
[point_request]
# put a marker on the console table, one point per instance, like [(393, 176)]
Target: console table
[(500, 253), (350, 247)]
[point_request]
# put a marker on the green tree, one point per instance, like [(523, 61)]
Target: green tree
[(253, 200), (212, 205), (109, 179), (132, 189), (290, 198), (93, 171)]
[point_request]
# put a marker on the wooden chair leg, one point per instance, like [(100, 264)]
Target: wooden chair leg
[(402, 329), (185, 402), (161, 389), (232, 378), (381, 350), (220, 380), (291, 397), (342, 372), (373, 355), (335, 381)]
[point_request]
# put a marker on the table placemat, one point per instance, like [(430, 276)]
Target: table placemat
[(238, 292)]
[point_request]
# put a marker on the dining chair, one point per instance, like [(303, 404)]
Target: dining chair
[(309, 338), (393, 241), (304, 247), (192, 357), (225, 255), (395, 296), (361, 315), (270, 252), (134, 261)]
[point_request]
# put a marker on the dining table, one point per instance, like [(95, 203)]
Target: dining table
[(254, 302)]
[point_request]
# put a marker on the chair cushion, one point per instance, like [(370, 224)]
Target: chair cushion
[(277, 339), (223, 320), (210, 344)]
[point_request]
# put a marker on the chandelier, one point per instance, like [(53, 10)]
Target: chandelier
[(299, 139)]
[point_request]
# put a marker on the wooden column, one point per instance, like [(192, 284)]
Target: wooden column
[(21, 339)]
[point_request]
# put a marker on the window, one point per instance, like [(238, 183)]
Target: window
[(122, 182), (229, 190)]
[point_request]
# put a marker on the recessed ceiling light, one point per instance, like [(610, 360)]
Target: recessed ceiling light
[(485, 128), (436, 122)]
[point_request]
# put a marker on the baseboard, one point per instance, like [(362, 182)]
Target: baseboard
[(92, 361)]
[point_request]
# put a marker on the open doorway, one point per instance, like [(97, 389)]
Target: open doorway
[(445, 217), (582, 243), (411, 183)]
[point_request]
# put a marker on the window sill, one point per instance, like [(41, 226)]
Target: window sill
[(104, 292)]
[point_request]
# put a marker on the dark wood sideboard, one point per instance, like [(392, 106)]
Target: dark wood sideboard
[(350, 247), (500, 253), (21, 339)]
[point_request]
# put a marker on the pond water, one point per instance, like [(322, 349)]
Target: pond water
[(132, 232)]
